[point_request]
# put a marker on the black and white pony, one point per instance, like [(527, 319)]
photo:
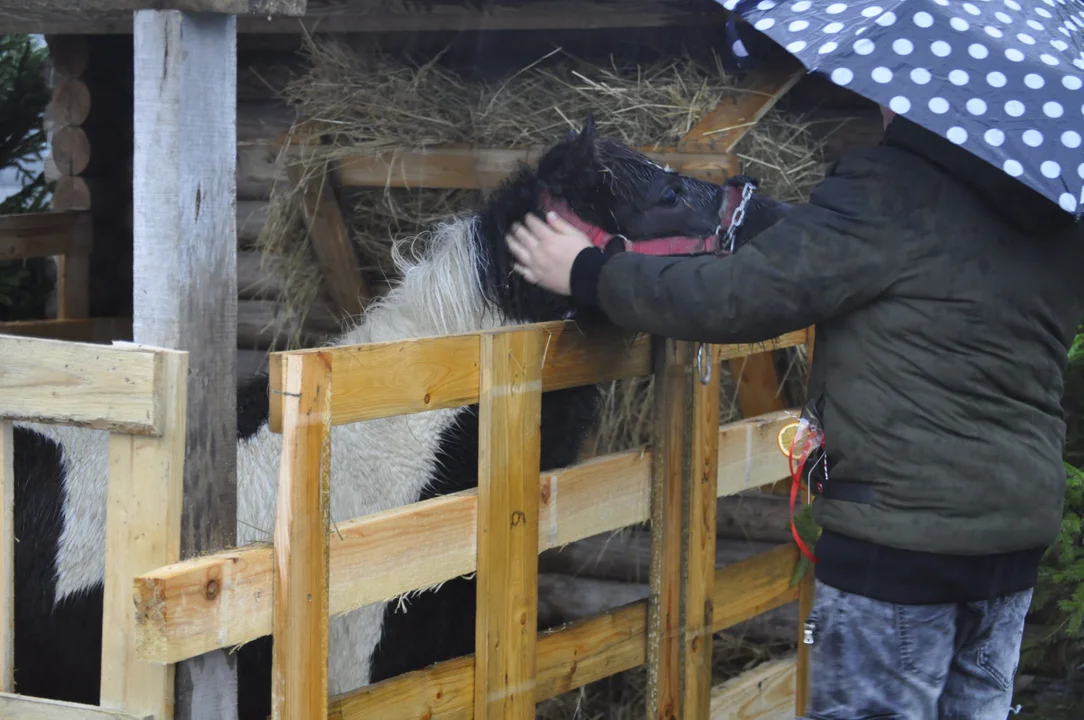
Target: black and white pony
[(463, 282)]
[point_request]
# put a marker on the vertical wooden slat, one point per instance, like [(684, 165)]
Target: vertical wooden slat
[(142, 532), (7, 559), (300, 628), (509, 447), (73, 274), (700, 549), (673, 376)]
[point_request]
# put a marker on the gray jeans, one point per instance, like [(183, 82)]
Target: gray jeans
[(874, 660)]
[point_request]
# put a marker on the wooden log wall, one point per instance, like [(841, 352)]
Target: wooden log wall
[(90, 126)]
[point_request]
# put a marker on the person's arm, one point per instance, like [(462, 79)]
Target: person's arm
[(827, 257)]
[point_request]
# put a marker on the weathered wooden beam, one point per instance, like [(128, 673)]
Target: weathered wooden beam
[(509, 437), (300, 578), (142, 531), (379, 16), (40, 234), (382, 556), (575, 655), (83, 385), (721, 129), (235, 7), (185, 277), (441, 168), (331, 243)]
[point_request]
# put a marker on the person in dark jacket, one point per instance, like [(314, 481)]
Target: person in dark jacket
[(945, 296)]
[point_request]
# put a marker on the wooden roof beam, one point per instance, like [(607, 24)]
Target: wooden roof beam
[(292, 8), (95, 17)]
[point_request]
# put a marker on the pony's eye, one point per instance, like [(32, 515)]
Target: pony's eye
[(669, 197)]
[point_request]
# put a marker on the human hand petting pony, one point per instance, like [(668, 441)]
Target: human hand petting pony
[(545, 251)]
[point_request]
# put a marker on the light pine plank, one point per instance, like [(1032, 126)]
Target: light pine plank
[(7, 558), (20, 707), (574, 655), (79, 384), (381, 556), (764, 693), (397, 378), (185, 276), (509, 437), (300, 631), (699, 576), (143, 531)]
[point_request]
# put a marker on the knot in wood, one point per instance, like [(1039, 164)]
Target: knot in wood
[(212, 589)]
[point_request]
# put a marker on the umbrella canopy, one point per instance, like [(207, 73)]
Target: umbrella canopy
[(1001, 78)]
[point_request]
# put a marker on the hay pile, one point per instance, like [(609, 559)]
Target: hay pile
[(352, 103)]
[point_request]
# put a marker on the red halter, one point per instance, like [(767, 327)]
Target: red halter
[(675, 245)]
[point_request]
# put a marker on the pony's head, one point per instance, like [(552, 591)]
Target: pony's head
[(609, 189)]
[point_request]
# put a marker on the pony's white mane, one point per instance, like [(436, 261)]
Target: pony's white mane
[(439, 293)]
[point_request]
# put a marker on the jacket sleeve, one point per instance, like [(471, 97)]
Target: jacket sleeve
[(827, 257)]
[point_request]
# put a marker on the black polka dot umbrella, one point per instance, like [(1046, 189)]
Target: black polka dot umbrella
[(1002, 78)]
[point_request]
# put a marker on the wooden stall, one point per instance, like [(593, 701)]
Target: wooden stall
[(164, 140), (291, 588)]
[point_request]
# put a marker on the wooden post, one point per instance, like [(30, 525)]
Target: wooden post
[(142, 532), (720, 131), (185, 277), (509, 457), (7, 558), (699, 579), (300, 613), (684, 477)]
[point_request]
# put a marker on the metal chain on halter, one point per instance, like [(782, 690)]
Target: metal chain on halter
[(736, 220)]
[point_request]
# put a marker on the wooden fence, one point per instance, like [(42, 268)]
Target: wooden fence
[(291, 588), (138, 394)]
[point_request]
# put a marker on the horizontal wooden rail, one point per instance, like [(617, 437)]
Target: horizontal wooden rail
[(453, 168), (85, 385), (86, 330), (42, 234), (410, 376), (21, 707), (382, 556), (577, 654)]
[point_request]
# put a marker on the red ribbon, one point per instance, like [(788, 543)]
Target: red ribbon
[(796, 472)]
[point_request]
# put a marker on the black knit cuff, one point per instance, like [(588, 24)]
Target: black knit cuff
[(586, 269)]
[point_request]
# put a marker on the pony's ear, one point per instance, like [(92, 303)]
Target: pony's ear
[(573, 164)]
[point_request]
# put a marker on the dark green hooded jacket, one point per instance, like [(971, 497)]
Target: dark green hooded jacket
[(945, 296)]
